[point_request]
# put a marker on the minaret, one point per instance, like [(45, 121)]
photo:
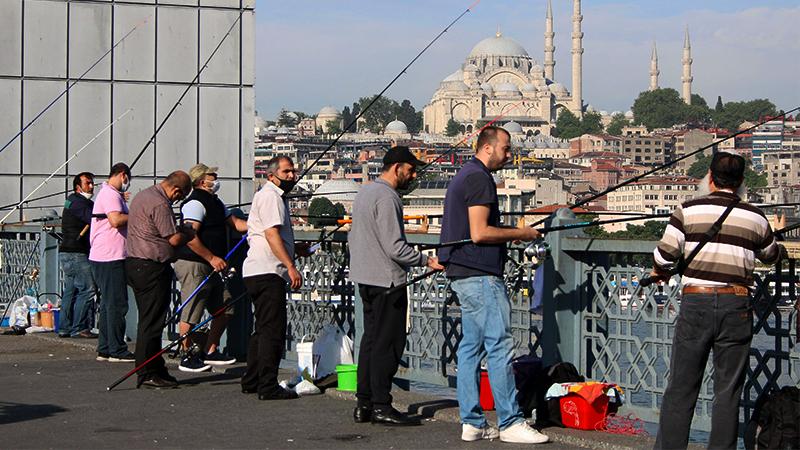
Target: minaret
[(687, 69), (549, 47), (577, 57), (654, 68)]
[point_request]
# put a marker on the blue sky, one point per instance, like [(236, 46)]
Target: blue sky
[(313, 53)]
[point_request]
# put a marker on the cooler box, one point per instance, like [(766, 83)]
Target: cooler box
[(485, 391)]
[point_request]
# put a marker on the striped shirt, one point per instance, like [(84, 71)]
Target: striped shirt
[(729, 257)]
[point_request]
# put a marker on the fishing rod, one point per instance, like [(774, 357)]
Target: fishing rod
[(224, 276), (383, 91), (176, 342), (667, 164), (570, 226), (294, 196), (186, 91), (64, 164), (11, 205), (73, 83)]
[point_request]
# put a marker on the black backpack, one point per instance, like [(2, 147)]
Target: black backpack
[(775, 423)]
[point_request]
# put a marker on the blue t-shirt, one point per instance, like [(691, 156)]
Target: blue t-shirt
[(472, 186)]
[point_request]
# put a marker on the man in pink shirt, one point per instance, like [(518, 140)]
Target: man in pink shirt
[(107, 257)]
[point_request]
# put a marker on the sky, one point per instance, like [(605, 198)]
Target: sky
[(310, 54)]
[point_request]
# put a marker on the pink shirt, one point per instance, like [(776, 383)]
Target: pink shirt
[(107, 243)]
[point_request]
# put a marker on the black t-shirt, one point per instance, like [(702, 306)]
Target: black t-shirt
[(472, 186)]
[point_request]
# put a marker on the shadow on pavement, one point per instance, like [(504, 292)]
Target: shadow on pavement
[(428, 409), (20, 412)]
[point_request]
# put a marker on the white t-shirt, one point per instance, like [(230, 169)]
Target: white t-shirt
[(269, 210), (194, 210)]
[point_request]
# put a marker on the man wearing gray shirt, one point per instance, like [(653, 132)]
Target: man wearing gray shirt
[(379, 259)]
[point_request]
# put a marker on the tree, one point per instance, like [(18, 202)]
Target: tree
[(699, 167), (453, 129), (300, 115), (321, 206), (568, 125), (334, 126), (379, 114), (347, 117), (406, 113), (340, 211), (618, 121), (718, 107), (660, 108), (591, 123), (285, 119), (734, 113)]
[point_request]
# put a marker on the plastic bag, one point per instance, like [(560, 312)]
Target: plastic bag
[(306, 387), (306, 360), (331, 348), (19, 311)]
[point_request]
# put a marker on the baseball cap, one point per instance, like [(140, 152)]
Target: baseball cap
[(200, 170), (401, 154)]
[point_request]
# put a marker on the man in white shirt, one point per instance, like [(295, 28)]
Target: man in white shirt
[(266, 271)]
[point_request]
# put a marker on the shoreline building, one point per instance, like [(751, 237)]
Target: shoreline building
[(500, 77)]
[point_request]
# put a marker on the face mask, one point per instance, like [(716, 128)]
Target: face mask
[(125, 186), (286, 185), (214, 186), (86, 195)]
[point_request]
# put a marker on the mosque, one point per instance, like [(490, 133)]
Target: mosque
[(500, 78)]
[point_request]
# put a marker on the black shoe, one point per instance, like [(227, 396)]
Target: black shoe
[(216, 358), (125, 357), (193, 363), (156, 382), (362, 414), (85, 334), (168, 377), (279, 394), (249, 390), (392, 417), (64, 335)]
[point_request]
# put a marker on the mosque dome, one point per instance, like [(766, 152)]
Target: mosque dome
[(603, 112), (498, 46), (396, 127), (506, 88), (332, 190), (458, 75), (471, 68), (272, 128), (537, 70), (283, 130), (528, 87), (614, 113), (328, 111), (558, 89), (629, 114), (513, 127), (487, 88)]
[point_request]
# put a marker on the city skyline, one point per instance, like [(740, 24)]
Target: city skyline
[(343, 52)]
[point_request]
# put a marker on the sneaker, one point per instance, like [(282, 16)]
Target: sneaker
[(216, 358), (522, 433), (193, 363), (102, 357), (471, 433), (127, 357)]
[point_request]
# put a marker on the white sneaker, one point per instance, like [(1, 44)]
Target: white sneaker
[(471, 433), (522, 433)]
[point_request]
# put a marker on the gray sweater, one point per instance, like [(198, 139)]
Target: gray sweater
[(379, 253)]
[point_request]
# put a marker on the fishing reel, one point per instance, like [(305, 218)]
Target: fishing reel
[(537, 252)]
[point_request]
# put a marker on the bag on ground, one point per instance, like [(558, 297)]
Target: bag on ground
[(331, 348), (775, 423)]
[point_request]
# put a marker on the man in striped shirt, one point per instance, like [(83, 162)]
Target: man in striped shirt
[(715, 310)]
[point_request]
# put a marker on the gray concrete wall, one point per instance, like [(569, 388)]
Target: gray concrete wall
[(47, 44)]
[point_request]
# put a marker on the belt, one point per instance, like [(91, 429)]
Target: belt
[(735, 289)]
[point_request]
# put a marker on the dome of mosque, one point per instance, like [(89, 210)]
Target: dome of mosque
[(513, 127), (396, 127), (498, 45)]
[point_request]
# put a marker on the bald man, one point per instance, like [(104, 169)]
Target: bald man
[(152, 240)]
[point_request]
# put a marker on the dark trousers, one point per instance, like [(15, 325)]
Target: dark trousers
[(268, 293), (151, 282), (382, 344), (111, 281), (723, 323)]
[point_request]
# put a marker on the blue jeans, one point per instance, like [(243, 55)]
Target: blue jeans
[(111, 282), (486, 328), (76, 300)]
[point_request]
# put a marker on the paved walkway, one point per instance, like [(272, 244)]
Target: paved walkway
[(54, 396)]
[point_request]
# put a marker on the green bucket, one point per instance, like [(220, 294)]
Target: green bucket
[(347, 376)]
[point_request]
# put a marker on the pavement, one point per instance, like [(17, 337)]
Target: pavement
[(53, 395)]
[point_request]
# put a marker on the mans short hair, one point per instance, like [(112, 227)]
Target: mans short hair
[(727, 170), (120, 168), (180, 179), (488, 136), (77, 180), (275, 162)]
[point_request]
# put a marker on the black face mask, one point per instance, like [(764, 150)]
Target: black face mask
[(285, 185)]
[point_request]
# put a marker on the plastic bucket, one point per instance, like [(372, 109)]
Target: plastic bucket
[(485, 392), (347, 375)]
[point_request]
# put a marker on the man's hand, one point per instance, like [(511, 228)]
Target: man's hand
[(531, 234), (433, 263), (218, 263), (127, 196), (295, 277)]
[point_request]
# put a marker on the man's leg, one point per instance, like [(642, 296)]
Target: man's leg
[(389, 332), (470, 292), (499, 344), (255, 289), (731, 357), (65, 321), (364, 390), (84, 294), (117, 309), (217, 296), (101, 278), (150, 282), (690, 347), (272, 318)]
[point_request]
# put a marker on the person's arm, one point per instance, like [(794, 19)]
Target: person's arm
[(165, 225), (197, 246), (180, 238), (278, 249), (117, 219), (669, 250), (237, 224), (769, 251), (388, 219), (482, 233)]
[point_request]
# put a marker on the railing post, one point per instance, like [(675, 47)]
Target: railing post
[(48, 264), (561, 328)]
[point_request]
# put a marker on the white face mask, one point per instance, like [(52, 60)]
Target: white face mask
[(86, 195), (214, 186), (125, 186)]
